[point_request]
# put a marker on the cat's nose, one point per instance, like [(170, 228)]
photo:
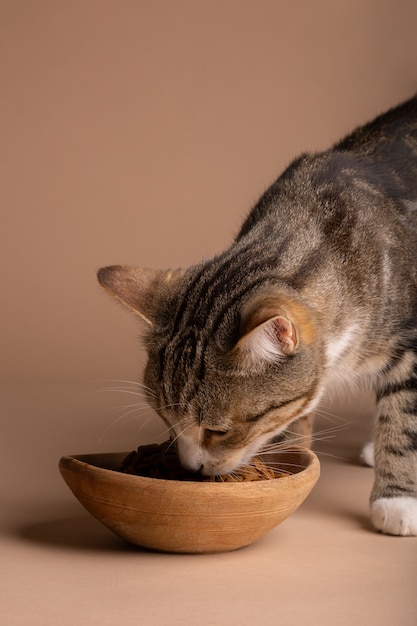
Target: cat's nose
[(205, 471)]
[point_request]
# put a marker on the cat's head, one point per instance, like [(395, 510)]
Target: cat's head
[(229, 367)]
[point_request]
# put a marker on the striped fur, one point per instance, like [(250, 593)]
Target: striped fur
[(319, 287)]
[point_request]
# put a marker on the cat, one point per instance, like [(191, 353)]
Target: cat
[(319, 287)]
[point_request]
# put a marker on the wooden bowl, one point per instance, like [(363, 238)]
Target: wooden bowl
[(188, 517)]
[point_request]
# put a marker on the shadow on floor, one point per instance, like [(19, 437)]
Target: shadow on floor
[(74, 533)]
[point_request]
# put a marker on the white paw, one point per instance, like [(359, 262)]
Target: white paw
[(367, 454), (395, 516)]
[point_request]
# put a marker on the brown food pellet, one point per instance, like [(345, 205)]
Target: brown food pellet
[(161, 461)]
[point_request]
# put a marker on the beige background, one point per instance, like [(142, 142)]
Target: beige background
[(142, 132)]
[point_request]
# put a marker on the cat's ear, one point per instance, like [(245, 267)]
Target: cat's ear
[(140, 289), (269, 341), (268, 335)]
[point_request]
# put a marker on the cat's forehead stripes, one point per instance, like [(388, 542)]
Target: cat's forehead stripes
[(215, 279), (205, 276), (184, 355), (214, 296)]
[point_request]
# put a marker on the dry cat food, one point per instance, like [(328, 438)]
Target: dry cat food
[(161, 461)]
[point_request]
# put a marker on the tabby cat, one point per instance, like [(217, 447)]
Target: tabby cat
[(319, 287)]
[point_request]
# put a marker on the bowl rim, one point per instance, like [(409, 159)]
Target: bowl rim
[(80, 463)]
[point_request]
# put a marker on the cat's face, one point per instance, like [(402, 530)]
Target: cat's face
[(224, 384), (231, 415)]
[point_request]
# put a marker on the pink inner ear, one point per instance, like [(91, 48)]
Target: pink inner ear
[(270, 341), (284, 332)]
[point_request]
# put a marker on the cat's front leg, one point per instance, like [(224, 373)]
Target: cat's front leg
[(394, 494)]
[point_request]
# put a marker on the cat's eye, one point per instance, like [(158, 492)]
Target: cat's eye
[(211, 432)]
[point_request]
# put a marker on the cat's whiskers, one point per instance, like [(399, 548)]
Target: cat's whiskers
[(295, 439), (139, 391), (129, 386), (183, 430), (330, 416), (143, 407), (130, 411), (181, 422), (133, 383), (285, 450), (124, 417), (277, 463)]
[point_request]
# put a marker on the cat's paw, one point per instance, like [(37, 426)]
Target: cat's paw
[(367, 454), (395, 516)]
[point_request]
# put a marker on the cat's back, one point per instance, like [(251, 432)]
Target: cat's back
[(390, 135), (387, 148), (371, 174), (343, 223)]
